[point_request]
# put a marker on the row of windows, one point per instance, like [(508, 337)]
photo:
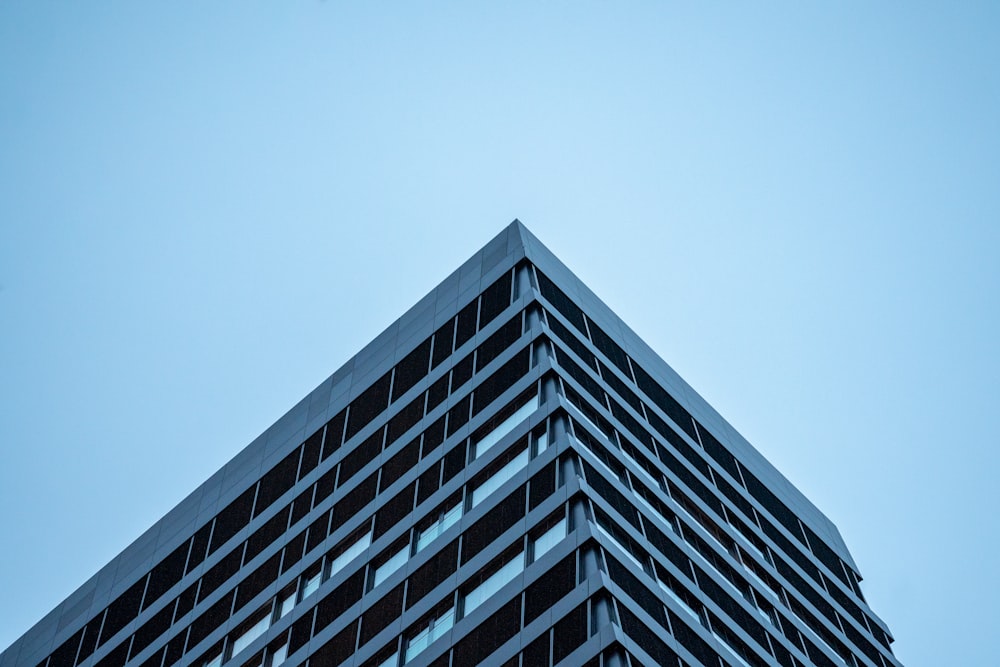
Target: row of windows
[(173, 567), (392, 603), (709, 497), (697, 432), (651, 472), (409, 371), (342, 512), (737, 586)]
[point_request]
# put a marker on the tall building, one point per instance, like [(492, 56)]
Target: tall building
[(506, 476)]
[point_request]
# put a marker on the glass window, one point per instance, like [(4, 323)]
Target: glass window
[(541, 442), (680, 601), (350, 553), (391, 661), (395, 562), (435, 629), (499, 477), (214, 661), (549, 539), (310, 586), (621, 546), (286, 604), (244, 640), (279, 655), (493, 583), (732, 651), (447, 520), (505, 427)]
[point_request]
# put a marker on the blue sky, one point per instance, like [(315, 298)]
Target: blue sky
[(205, 210)]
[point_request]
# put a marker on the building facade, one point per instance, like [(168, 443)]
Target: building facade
[(506, 476)]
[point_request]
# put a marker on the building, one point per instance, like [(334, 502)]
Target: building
[(507, 475)]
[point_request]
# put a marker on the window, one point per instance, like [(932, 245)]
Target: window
[(391, 661), (286, 604), (254, 631), (350, 553), (396, 561), (541, 442), (499, 477), (278, 655), (731, 650), (310, 585), (681, 602), (446, 520), (505, 427), (434, 629), (493, 583), (215, 661), (548, 539)]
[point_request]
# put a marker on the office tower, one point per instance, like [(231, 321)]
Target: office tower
[(506, 476)]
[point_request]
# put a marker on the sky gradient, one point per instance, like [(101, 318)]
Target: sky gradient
[(206, 210)]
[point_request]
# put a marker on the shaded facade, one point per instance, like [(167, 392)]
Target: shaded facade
[(507, 475)]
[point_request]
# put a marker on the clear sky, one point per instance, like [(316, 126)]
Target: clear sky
[(206, 208)]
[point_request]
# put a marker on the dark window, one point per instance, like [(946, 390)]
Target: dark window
[(399, 464), (301, 632), (569, 633), (368, 405), (458, 416), (167, 573), (122, 611), (325, 485), (466, 327), (581, 376), (689, 639), (664, 401), (429, 575), (209, 620), (318, 530), (678, 444), (154, 660), (89, 643), (353, 502), (429, 482), (361, 456), (198, 546), (334, 434), (536, 654), (491, 388), (337, 650), (508, 511), (381, 614), (718, 452), (443, 338), (666, 547), (411, 369), (646, 638), (490, 635), (185, 601), (493, 346), (496, 298), (405, 419), (66, 653), (610, 494), (116, 658), (571, 340), (259, 579), (340, 599), (276, 482), (147, 634), (232, 519), (462, 372), (394, 511), (635, 589), (433, 436), (437, 392), (543, 485), (563, 303), (311, 451), (301, 505), (454, 462), (220, 572), (609, 347), (293, 551), (551, 587)]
